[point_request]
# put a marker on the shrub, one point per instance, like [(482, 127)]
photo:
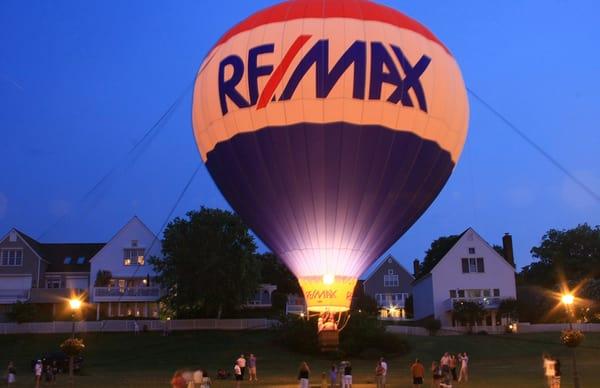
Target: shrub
[(22, 312), (72, 346), (571, 338), (432, 325), (364, 336)]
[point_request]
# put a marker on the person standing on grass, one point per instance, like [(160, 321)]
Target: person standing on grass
[(237, 371), (242, 363), (464, 367), (38, 368), (417, 371), (252, 368), (436, 375), (548, 369), (333, 372), (11, 374), (453, 363), (556, 378), (303, 375), (385, 371), (347, 379), (379, 374)]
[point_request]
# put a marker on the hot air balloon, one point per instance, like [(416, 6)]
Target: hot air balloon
[(330, 127)]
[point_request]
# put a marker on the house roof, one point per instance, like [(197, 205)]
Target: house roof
[(55, 254), (79, 253), (377, 264), (422, 275)]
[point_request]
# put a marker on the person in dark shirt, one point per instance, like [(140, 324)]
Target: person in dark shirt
[(303, 375), (347, 380)]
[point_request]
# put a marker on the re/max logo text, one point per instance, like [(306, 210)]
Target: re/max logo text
[(382, 70)]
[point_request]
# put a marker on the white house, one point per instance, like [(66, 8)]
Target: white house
[(470, 271), (131, 290)]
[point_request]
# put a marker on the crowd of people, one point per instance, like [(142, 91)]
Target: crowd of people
[(200, 379), (451, 368)]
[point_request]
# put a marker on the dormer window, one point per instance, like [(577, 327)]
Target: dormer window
[(80, 260), (68, 260)]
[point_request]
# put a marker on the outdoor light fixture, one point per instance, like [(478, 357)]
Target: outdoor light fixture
[(567, 299), (75, 304)]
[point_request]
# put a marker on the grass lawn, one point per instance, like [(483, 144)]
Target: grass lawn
[(149, 359)]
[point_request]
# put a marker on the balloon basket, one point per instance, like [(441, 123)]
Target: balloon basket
[(329, 340)]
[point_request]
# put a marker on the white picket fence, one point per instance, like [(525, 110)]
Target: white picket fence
[(522, 327), (130, 325)]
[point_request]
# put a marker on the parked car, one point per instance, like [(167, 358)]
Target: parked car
[(62, 361)]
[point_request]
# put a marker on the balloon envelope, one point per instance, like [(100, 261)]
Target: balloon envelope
[(330, 127)]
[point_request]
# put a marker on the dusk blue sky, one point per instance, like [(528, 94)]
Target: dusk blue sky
[(82, 81)]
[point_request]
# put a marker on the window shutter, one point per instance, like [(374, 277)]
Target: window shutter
[(480, 267), (465, 265)]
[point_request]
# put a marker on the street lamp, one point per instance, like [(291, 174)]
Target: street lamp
[(75, 307), (568, 299)]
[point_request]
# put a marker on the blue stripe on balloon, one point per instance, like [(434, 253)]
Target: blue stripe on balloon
[(342, 185)]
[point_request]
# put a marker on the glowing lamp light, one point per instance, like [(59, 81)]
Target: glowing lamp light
[(567, 299), (328, 279), (75, 303)]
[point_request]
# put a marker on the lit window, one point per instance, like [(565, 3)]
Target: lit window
[(133, 256)]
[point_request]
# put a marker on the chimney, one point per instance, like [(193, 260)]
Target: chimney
[(416, 267), (508, 248)]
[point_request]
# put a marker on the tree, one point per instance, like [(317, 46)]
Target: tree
[(468, 313), (72, 347), (436, 251), (209, 264), (571, 255), (364, 303), (103, 278), (508, 309), (409, 306), (274, 271)]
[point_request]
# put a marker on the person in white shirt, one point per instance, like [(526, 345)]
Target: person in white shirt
[(38, 373), (463, 359), (548, 369), (384, 365), (237, 371), (241, 362)]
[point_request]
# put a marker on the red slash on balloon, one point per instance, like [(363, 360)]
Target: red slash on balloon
[(275, 79)]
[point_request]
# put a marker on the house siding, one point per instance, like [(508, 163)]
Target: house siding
[(30, 262), (374, 284), (423, 298)]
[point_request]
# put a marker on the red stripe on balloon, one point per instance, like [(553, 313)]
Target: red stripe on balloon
[(300, 9), (277, 75)]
